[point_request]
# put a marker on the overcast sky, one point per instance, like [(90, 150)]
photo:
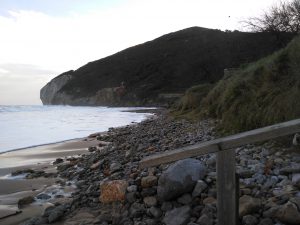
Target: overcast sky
[(39, 39)]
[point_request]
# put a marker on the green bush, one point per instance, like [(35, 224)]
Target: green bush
[(193, 97)]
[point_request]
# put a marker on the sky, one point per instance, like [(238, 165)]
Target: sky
[(40, 39)]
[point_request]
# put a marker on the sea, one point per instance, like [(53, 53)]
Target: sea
[(28, 126)]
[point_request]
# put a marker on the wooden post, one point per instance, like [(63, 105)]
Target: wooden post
[(226, 188), (237, 196)]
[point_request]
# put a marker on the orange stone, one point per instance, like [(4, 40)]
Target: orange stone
[(113, 191)]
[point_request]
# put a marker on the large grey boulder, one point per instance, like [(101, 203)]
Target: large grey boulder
[(180, 178)]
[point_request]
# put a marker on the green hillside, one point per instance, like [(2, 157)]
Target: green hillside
[(167, 65), (256, 95)]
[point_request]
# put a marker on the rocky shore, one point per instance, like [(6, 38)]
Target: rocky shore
[(111, 189)]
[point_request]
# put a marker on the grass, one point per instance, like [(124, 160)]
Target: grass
[(188, 105), (257, 95)]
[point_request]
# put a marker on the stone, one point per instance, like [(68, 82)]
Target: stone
[(185, 199), (196, 211), (199, 188), (260, 179), (137, 210), (131, 197), (64, 166), (296, 200), (114, 167), (132, 188), (296, 139), (96, 165), (25, 201), (150, 201), (209, 210), (248, 205), (155, 212), (266, 221), (148, 192), (177, 216), (296, 180), (80, 218), (180, 178), (209, 200), (271, 212), (92, 148), (56, 214), (246, 191), (128, 153), (48, 210), (57, 161), (166, 206), (150, 222), (148, 181), (43, 196), (249, 220), (294, 168), (246, 173), (211, 161), (113, 191), (284, 190), (205, 220), (270, 183), (36, 221), (24, 171), (288, 213)]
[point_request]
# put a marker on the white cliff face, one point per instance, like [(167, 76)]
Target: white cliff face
[(52, 94), (50, 90)]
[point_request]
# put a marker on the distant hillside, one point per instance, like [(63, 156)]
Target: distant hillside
[(160, 69), (263, 93)]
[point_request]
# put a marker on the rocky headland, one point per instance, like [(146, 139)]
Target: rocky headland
[(112, 189), (159, 71)]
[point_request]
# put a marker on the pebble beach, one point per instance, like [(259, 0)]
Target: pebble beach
[(97, 180)]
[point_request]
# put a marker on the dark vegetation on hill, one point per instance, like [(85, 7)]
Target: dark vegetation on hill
[(172, 63), (259, 94)]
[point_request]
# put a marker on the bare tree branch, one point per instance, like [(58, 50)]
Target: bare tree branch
[(284, 17)]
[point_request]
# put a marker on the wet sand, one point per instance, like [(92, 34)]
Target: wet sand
[(37, 158)]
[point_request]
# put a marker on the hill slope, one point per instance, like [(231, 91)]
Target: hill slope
[(257, 95), (169, 64)]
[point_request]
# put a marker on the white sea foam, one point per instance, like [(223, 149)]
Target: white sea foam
[(25, 126)]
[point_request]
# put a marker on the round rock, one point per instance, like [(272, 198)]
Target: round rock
[(180, 178)]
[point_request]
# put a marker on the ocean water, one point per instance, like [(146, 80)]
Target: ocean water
[(26, 126)]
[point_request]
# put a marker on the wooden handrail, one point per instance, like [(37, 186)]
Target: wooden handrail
[(226, 143)]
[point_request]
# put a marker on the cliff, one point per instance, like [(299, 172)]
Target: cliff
[(160, 70)]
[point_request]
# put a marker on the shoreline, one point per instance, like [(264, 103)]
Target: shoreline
[(41, 158), (151, 111), (147, 111), (41, 145)]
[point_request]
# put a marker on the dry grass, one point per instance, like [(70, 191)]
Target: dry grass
[(260, 94)]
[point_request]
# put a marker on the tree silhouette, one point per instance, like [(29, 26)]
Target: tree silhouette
[(284, 17)]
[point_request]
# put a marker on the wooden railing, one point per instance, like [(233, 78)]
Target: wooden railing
[(227, 182)]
